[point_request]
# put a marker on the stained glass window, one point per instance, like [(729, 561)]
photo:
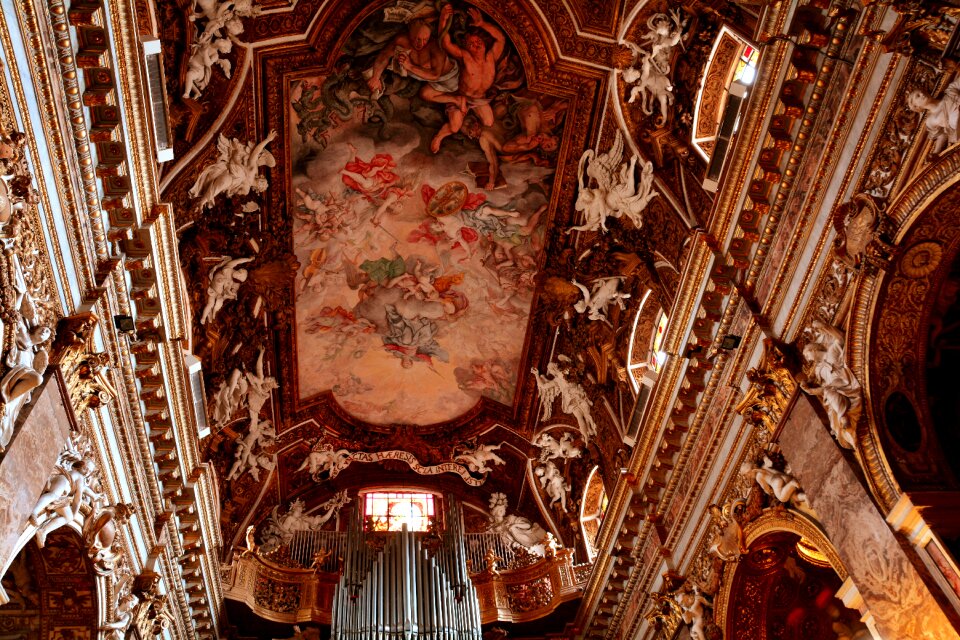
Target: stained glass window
[(389, 511)]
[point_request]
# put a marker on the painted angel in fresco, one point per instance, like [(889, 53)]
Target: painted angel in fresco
[(478, 69), (412, 339), (376, 181)]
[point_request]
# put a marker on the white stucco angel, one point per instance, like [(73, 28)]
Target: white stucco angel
[(281, 529), (259, 388), (652, 79), (325, 461), (729, 542), (777, 484), (125, 601), (553, 483), (942, 116), (71, 491), (617, 193), (250, 455), (236, 171), (829, 378), (551, 448), (693, 611), (223, 15), (228, 399), (477, 459), (603, 292), (225, 280), (573, 399), (204, 55), (515, 530)]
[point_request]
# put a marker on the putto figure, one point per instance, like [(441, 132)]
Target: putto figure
[(573, 399), (225, 281), (652, 79), (477, 458), (596, 299)]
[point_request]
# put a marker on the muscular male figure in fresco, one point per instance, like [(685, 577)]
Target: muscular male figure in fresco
[(478, 70), (415, 53)]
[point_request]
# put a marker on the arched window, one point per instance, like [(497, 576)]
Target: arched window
[(391, 510), (729, 73), (593, 508)]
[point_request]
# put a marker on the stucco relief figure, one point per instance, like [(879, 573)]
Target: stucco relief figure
[(70, 493), (617, 193), (100, 536), (228, 399), (573, 399), (553, 483), (515, 530), (204, 55), (325, 463), (829, 378), (779, 485), (942, 116), (859, 229), (652, 79), (27, 357), (259, 388), (225, 280), (551, 448), (605, 291), (281, 529), (477, 459), (729, 542), (250, 455), (693, 610), (226, 15), (123, 607), (236, 171)]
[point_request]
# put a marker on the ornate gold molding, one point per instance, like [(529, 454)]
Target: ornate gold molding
[(84, 370), (771, 388)]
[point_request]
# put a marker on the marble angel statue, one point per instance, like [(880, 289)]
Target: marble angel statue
[(617, 192), (693, 611), (551, 448), (70, 493), (829, 378), (942, 116), (477, 459), (228, 399), (225, 280), (204, 55), (325, 461), (515, 530), (553, 483), (250, 455), (596, 299), (236, 171), (652, 80), (779, 485), (281, 529), (573, 399)]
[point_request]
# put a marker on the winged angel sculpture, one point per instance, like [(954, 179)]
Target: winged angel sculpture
[(236, 171), (617, 193), (573, 399)]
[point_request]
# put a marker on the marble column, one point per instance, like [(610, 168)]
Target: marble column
[(892, 589), (41, 431)]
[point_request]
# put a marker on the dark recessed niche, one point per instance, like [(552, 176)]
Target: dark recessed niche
[(902, 423)]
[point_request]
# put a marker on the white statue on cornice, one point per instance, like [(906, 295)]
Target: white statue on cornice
[(515, 530), (71, 492), (236, 171), (551, 448), (943, 115), (573, 399), (777, 484), (553, 483), (281, 529), (652, 79), (204, 54), (617, 193), (477, 459), (250, 455), (225, 280), (596, 299), (693, 610), (829, 378)]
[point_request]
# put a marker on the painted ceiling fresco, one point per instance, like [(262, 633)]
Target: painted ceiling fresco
[(422, 169)]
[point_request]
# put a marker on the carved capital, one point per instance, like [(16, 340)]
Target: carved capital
[(772, 386), (84, 370)]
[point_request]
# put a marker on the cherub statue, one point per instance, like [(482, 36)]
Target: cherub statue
[(326, 460), (779, 485), (652, 80), (943, 115), (596, 300), (693, 610), (553, 483), (249, 455), (228, 399), (70, 492), (476, 460), (728, 542), (125, 603), (259, 388), (829, 378), (551, 448), (225, 280), (236, 171), (573, 399), (203, 56), (100, 535)]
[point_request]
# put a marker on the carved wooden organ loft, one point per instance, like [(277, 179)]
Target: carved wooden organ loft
[(479, 319)]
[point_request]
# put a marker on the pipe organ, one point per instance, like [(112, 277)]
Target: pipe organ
[(406, 585)]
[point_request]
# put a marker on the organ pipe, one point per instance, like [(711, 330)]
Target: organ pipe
[(405, 590)]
